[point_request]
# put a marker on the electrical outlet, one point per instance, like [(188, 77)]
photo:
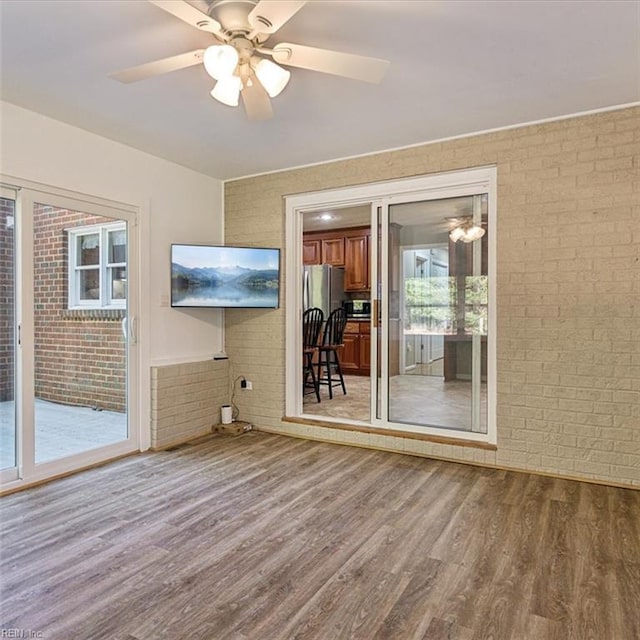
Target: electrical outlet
[(248, 385)]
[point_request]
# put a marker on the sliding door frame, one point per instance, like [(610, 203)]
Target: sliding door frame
[(384, 194), (28, 194), (10, 474)]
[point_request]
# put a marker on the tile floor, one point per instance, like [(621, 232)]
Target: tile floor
[(413, 399), (61, 430)]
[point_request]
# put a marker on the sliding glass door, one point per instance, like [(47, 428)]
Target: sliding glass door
[(67, 345), (435, 312), (431, 333)]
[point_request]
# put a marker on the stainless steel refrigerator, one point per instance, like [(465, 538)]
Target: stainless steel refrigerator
[(323, 287)]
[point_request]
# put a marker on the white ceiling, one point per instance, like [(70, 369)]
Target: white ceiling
[(457, 67)]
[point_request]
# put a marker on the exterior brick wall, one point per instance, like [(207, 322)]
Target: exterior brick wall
[(568, 285), (79, 354), (7, 300)]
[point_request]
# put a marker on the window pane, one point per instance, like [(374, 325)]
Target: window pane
[(476, 305), (118, 283), (89, 284), (430, 304), (88, 249), (117, 246)]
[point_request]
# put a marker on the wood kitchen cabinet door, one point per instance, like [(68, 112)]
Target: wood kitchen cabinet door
[(350, 354), (356, 262), (333, 252), (365, 353), (312, 252)]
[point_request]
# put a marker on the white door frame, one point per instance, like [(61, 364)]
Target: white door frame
[(429, 187), (28, 193)]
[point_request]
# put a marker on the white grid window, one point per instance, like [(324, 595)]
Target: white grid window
[(98, 267)]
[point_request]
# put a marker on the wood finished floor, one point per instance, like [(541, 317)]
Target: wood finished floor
[(263, 537)]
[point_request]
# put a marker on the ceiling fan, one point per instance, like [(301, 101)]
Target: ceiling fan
[(466, 229), (238, 59)]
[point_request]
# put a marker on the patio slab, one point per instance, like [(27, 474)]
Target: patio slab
[(61, 430)]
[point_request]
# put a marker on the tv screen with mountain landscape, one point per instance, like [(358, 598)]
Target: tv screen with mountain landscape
[(208, 276)]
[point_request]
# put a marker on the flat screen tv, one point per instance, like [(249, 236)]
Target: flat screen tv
[(211, 276)]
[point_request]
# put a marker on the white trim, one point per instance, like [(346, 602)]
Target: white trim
[(428, 187), (424, 143), (55, 194), (11, 474)]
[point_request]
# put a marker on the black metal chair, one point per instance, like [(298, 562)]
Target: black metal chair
[(312, 320), (329, 349)]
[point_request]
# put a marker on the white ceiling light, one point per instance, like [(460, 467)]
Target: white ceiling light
[(272, 76), (241, 28), (227, 90), (220, 61), (466, 231)]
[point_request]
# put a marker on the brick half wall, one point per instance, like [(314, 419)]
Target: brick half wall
[(186, 400)]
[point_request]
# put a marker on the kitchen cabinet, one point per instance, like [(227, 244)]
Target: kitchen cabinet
[(312, 252), (365, 348), (333, 251), (356, 262), (323, 251), (350, 354), (348, 248), (355, 357)]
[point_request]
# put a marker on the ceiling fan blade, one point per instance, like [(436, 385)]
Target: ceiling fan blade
[(335, 62), (269, 15), (189, 14), (256, 101), (158, 67)]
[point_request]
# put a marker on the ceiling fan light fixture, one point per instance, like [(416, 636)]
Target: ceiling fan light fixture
[(220, 61), (473, 233), (456, 234), (466, 233), (227, 91), (272, 77)]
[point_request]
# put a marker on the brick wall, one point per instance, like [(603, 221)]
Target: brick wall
[(7, 299), (79, 355), (186, 400), (568, 285)]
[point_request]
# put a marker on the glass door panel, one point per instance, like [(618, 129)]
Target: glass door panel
[(80, 349), (8, 425), (337, 254), (436, 313)]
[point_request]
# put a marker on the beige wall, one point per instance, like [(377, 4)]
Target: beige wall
[(568, 290)]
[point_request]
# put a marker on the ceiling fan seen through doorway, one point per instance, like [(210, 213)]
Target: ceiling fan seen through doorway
[(240, 62)]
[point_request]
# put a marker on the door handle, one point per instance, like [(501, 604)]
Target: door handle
[(129, 329)]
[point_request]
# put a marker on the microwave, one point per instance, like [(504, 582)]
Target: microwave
[(357, 308)]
